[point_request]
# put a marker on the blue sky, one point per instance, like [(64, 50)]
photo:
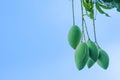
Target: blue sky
[(34, 46)]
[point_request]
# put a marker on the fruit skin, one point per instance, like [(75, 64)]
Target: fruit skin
[(93, 50), (74, 36), (90, 63), (81, 55), (103, 59)]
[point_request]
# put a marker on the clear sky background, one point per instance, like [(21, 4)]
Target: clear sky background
[(34, 46)]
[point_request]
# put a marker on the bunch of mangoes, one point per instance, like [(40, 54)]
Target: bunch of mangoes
[(86, 52)]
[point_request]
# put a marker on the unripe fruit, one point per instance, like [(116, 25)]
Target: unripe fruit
[(93, 50), (90, 63), (103, 59), (74, 36), (81, 55)]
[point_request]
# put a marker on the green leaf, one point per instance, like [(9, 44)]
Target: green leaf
[(117, 6), (118, 10), (117, 1), (91, 15), (107, 1), (89, 9), (100, 10), (104, 6), (110, 4), (88, 6)]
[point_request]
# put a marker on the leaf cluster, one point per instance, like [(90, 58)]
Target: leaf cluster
[(100, 6)]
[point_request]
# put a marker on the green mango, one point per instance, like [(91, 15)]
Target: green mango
[(90, 63), (93, 50), (103, 59), (74, 36), (81, 55)]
